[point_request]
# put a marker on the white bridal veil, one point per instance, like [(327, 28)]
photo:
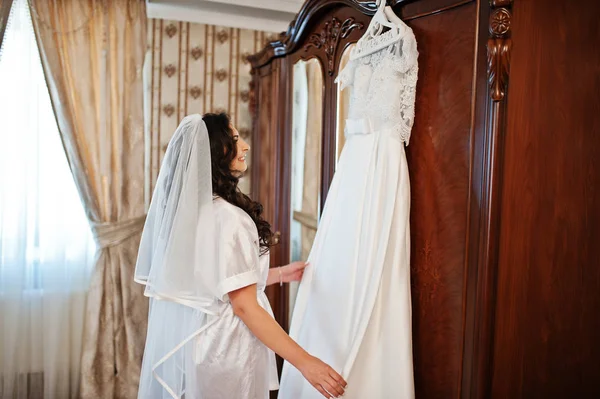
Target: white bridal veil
[(175, 263)]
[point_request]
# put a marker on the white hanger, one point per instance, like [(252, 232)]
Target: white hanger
[(392, 16), (384, 17), (380, 19)]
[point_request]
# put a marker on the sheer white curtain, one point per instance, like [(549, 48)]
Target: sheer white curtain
[(46, 247)]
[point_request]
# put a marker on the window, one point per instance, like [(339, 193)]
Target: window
[(46, 246), (42, 220)]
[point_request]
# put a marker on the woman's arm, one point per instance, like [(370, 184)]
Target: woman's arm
[(268, 331), (286, 274)]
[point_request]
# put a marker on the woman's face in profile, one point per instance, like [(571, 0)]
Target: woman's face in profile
[(238, 164)]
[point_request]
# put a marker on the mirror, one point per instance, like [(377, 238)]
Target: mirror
[(307, 125), (343, 102)]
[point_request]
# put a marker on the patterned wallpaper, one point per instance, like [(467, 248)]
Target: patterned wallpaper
[(196, 68)]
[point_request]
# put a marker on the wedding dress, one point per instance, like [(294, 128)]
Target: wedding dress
[(353, 308)]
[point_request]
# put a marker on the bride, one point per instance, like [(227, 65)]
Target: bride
[(204, 259)]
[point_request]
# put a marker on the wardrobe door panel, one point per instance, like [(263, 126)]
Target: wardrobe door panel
[(266, 155), (548, 302), (439, 159)]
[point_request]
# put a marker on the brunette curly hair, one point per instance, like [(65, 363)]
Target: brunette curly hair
[(223, 150)]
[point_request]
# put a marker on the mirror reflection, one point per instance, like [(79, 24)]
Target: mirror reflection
[(307, 122)]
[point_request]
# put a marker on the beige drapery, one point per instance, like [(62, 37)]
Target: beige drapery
[(92, 53)]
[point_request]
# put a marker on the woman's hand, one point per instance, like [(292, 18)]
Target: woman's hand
[(325, 379), (286, 274), (293, 271), (269, 332)]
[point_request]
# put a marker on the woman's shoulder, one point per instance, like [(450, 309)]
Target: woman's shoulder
[(232, 215)]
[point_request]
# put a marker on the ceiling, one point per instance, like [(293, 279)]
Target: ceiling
[(264, 15)]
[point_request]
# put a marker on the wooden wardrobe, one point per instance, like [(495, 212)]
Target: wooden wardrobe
[(504, 161)]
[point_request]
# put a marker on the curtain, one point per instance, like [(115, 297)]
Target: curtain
[(46, 246), (93, 53)]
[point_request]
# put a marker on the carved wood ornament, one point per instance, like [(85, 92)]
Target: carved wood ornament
[(329, 38), (293, 38), (499, 48)]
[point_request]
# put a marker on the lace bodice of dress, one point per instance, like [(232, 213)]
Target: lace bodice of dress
[(384, 83)]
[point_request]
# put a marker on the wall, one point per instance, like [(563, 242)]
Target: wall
[(195, 68)]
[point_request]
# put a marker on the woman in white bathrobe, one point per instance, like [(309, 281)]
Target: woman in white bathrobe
[(204, 259)]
